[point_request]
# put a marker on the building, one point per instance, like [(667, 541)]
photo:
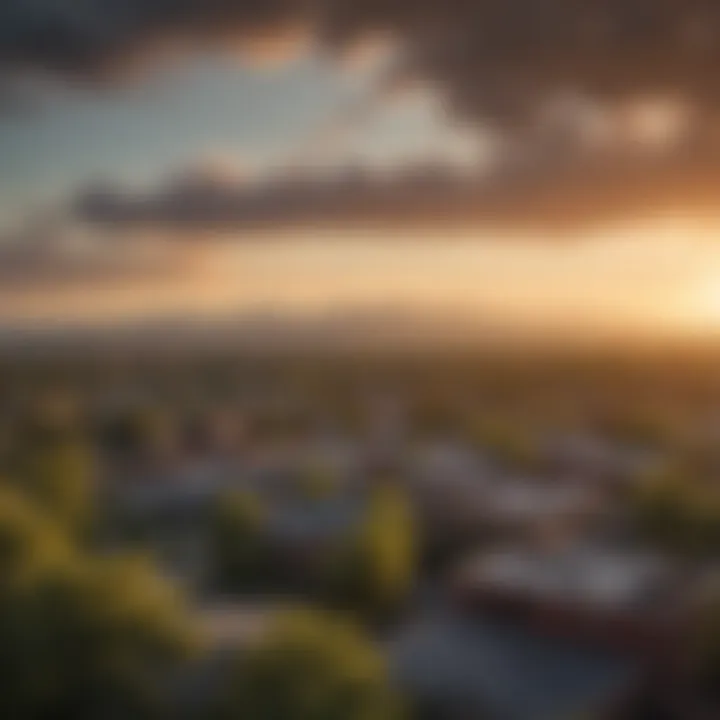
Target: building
[(457, 667), (539, 508), (621, 600)]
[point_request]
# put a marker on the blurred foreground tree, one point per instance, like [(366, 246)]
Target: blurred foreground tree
[(375, 571), (80, 637), (51, 462), (311, 666), (237, 542), (60, 476)]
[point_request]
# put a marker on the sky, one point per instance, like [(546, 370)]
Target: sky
[(541, 164)]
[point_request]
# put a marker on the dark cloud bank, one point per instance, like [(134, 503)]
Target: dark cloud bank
[(564, 197), (492, 60), (490, 55)]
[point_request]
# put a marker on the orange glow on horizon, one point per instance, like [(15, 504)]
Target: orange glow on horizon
[(652, 276)]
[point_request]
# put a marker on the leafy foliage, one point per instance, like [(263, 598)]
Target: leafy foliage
[(376, 570), (80, 636), (311, 666), (237, 543)]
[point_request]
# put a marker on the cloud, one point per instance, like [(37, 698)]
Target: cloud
[(508, 61), (497, 56), (193, 202), (101, 38), (48, 256), (540, 191)]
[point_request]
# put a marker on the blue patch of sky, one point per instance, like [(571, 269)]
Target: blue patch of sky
[(140, 131)]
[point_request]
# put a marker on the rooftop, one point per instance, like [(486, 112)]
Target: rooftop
[(604, 578), (493, 670)]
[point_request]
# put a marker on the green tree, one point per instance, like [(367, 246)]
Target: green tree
[(237, 540), (311, 666), (318, 482), (59, 475), (375, 570), (80, 637), (50, 460)]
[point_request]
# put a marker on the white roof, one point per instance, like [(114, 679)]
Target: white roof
[(594, 576)]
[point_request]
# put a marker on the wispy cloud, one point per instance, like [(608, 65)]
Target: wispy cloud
[(532, 191)]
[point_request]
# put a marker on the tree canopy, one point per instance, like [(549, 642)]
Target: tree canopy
[(375, 570), (311, 666), (80, 636), (237, 542)]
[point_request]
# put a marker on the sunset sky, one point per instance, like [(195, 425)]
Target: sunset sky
[(541, 163)]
